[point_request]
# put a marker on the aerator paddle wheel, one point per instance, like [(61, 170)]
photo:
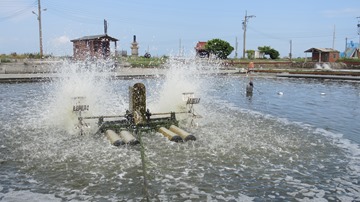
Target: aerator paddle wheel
[(122, 129)]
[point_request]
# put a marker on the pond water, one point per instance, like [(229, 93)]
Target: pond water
[(293, 140)]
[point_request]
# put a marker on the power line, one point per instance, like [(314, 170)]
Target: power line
[(19, 12), (80, 15), (287, 37)]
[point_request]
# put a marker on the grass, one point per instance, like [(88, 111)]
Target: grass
[(158, 62), (241, 60), (348, 60), (144, 62), (13, 57)]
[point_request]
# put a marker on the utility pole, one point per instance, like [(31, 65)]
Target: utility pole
[(40, 31), (345, 47), (358, 27), (236, 47), (180, 54), (290, 54), (246, 19), (333, 43)]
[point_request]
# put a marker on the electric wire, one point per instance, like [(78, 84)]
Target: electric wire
[(81, 15), (18, 12)]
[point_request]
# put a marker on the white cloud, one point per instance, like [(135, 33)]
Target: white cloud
[(59, 46), (60, 41)]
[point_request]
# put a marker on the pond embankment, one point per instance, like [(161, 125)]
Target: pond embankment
[(293, 64), (44, 70), (29, 67)]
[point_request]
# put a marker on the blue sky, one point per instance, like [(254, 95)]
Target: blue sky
[(160, 25)]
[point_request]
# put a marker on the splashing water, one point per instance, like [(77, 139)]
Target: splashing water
[(183, 76), (93, 83), (80, 80)]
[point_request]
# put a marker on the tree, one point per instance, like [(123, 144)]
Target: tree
[(267, 50), (250, 54), (274, 54), (219, 48), (264, 49)]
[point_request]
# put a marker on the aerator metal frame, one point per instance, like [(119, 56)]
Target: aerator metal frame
[(137, 119)]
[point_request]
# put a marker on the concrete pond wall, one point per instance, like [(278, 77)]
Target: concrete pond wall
[(29, 67)]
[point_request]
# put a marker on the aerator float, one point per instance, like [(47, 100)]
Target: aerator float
[(124, 129)]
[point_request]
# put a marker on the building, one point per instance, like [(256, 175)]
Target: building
[(94, 47), (200, 50), (258, 54), (323, 54), (351, 51)]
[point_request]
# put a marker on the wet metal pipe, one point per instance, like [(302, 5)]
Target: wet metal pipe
[(183, 134), (128, 138), (97, 117), (166, 113), (170, 135), (113, 138), (121, 116)]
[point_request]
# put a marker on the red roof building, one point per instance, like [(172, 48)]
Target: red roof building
[(200, 49)]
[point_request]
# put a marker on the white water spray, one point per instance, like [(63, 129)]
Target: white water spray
[(183, 76), (87, 80)]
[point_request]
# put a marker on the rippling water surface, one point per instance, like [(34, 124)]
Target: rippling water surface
[(302, 145)]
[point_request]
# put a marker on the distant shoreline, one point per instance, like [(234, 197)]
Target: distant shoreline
[(47, 70), (50, 65), (141, 73)]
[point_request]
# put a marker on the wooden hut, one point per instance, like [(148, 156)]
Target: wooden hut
[(94, 47), (324, 54)]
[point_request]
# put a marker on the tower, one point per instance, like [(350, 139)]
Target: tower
[(134, 48)]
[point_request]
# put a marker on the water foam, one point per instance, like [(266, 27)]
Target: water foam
[(26, 195)]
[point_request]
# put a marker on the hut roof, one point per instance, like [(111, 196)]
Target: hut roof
[(95, 37), (329, 50), (200, 45)]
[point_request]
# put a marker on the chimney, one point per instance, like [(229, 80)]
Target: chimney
[(105, 27)]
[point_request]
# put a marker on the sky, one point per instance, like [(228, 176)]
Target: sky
[(168, 27)]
